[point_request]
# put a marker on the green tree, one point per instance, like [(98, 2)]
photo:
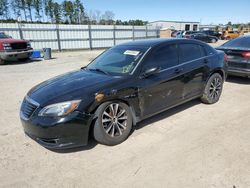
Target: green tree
[(68, 11), (29, 5), (57, 12), (37, 4), (79, 12), (49, 10), (15, 5), (4, 9), (108, 16), (23, 8), (118, 22)]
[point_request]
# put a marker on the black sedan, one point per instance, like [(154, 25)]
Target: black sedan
[(212, 33), (121, 87), (204, 37), (238, 55)]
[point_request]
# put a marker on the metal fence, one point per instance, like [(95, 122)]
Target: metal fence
[(65, 37)]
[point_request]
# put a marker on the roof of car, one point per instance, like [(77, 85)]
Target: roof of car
[(150, 42)]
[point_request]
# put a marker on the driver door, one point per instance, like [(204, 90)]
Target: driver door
[(164, 89)]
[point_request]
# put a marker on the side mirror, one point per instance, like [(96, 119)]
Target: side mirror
[(150, 72)]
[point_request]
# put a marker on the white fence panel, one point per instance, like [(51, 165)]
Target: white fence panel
[(74, 36), (10, 29), (60, 37)]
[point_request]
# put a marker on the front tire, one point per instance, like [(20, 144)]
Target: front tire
[(213, 40), (213, 89), (2, 61), (113, 123)]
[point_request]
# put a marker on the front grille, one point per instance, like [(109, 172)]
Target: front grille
[(28, 107), (19, 46)]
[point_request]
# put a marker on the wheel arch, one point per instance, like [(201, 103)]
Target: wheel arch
[(132, 110), (221, 72)]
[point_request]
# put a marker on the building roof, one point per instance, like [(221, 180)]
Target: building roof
[(212, 26), (174, 21)]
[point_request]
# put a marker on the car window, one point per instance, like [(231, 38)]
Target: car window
[(238, 42), (163, 57), (203, 51), (4, 36), (209, 50), (119, 60), (201, 34), (189, 52)]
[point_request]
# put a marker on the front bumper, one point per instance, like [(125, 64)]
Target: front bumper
[(59, 133), (15, 55)]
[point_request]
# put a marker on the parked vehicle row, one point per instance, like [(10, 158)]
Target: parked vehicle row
[(13, 49), (121, 87), (203, 37), (228, 35), (206, 35)]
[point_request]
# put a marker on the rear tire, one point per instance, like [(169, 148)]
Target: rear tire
[(213, 89), (113, 123)]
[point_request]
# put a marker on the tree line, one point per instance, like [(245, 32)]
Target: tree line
[(50, 11)]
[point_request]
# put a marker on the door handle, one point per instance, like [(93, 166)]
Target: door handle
[(179, 70)]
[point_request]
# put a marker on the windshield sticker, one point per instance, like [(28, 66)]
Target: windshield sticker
[(131, 52), (126, 69)]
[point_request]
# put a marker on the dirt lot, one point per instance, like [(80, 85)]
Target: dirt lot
[(194, 145)]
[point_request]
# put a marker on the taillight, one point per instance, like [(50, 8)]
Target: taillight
[(246, 54)]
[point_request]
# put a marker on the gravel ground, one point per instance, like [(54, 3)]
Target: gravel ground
[(193, 145)]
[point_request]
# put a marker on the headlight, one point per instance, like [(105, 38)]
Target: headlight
[(7, 46), (28, 45), (59, 109)]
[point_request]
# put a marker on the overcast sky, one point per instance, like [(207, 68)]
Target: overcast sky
[(206, 11)]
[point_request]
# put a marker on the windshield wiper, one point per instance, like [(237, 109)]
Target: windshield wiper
[(100, 70)]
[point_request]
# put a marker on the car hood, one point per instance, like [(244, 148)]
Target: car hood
[(70, 86), (10, 40)]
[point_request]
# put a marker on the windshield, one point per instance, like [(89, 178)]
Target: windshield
[(119, 60), (4, 36), (243, 42)]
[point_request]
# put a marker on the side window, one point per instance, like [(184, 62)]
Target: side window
[(189, 52), (203, 51), (209, 50), (164, 57)]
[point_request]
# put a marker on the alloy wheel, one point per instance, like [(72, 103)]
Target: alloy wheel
[(215, 88), (114, 120)]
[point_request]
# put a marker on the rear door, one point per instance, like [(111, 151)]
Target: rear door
[(196, 68), (164, 89)]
